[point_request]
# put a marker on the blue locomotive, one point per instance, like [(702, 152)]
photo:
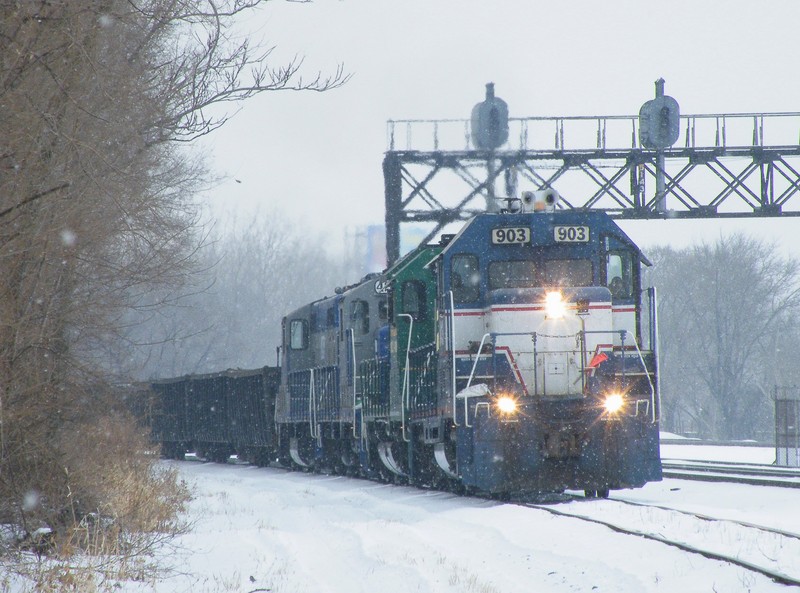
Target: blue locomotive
[(516, 356)]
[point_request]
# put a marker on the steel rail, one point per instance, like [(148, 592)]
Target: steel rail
[(736, 473), (709, 518), (744, 467), (773, 575)]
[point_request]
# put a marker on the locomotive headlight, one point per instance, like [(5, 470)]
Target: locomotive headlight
[(613, 403), (506, 405), (554, 305)]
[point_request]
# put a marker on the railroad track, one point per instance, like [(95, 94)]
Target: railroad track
[(726, 471), (761, 550), (713, 538)]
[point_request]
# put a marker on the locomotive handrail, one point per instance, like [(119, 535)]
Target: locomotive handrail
[(312, 405), (654, 394), (351, 334), (453, 353), (466, 397), (352, 337), (486, 405), (422, 379), (477, 357), (650, 383), (655, 346), (622, 333), (405, 391), (469, 382)]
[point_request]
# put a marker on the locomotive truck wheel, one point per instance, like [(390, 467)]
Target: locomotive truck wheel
[(263, 457), (602, 493), (219, 455), (456, 487)]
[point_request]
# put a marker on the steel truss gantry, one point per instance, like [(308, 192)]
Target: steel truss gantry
[(723, 165)]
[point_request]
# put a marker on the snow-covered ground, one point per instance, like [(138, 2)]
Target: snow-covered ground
[(266, 529)]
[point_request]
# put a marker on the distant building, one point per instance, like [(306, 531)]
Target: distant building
[(375, 249), (411, 237)]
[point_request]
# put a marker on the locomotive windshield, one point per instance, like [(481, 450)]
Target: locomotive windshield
[(512, 274), (529, 274), (568, 272)]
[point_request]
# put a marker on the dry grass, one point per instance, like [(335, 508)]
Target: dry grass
[(121, 507)]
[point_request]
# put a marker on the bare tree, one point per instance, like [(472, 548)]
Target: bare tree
[(97, 98), (724, 311), (233, 318)]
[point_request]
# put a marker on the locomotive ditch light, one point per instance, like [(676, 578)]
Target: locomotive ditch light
[(554, 305), (613, 403), (506, 405)]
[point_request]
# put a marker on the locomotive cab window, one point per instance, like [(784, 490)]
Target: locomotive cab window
[(414, 299), (619, 274), (512, 274), (323, 318), (383, 309), (359, 316), (568, 272), (465, 278), (298, 334)]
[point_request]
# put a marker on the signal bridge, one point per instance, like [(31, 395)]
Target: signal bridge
[(721, 165)]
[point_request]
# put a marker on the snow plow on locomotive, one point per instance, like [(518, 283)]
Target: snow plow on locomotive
[(519, 355)]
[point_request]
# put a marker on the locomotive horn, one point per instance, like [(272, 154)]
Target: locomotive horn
[(544, 200)]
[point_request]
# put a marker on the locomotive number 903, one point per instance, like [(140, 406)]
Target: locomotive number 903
[(511, 235), (571, 234)]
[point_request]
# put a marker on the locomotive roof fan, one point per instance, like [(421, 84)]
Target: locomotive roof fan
[(543, 200)]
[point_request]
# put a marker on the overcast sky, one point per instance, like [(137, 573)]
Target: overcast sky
[(318, 157)]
